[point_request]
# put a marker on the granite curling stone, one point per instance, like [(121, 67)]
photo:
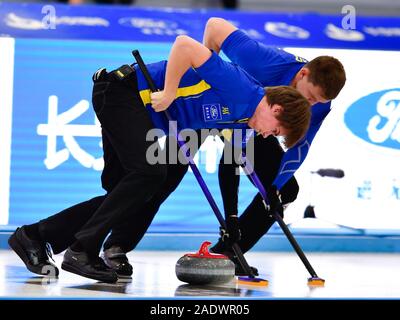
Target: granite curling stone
[(204, 267)]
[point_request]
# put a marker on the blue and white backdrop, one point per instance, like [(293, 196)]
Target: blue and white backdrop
[(50, 142)]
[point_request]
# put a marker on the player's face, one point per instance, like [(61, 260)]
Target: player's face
[(266, 123), (311, 92)]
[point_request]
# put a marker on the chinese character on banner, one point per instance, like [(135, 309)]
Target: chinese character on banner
[(395, 189), (364, 191), (59, 125)]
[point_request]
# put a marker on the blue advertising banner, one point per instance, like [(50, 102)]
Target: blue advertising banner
[(51, 142), (119, 23), (56, 155)]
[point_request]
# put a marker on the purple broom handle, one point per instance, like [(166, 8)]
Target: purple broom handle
[(196, 171)]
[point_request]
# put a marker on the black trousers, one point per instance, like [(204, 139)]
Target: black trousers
[(128, 233), (131, 226), (127, 177), (254, 222)]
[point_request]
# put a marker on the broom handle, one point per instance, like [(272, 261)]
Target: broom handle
[(256, 180), (196, 172)]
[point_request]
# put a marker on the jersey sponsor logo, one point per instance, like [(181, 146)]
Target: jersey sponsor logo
[(375, 118), (225, 111), (212, 112)]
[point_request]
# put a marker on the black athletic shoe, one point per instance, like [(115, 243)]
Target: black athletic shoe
[(239, 271), (35, 254), (221, 248), (80, 264), (116, 259)]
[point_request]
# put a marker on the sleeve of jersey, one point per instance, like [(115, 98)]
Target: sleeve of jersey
[(230, 82), (250, 54), (294, 157)]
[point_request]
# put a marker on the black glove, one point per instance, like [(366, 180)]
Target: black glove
[(275, 203), (232, 234)]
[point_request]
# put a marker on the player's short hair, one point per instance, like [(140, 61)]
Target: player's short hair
[(327, 73), (296, 114)]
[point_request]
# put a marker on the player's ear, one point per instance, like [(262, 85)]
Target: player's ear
[(304, 72), (276, 109)]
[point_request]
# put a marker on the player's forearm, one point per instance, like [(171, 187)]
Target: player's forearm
[(185, 53), (215, 33)]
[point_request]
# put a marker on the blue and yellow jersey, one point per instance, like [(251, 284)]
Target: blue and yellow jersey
[(274, 67), (218, 94)]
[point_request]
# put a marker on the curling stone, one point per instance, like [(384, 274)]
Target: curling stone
[(204, 267)]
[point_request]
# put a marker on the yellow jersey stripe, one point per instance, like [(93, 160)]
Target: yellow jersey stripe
[(182, 92)]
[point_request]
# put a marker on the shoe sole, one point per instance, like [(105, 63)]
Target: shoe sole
[(70, 268), (15, 245), (122, 275), (17, 248), (244, 274)]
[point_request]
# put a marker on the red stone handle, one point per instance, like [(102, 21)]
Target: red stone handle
[(204, 253)]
